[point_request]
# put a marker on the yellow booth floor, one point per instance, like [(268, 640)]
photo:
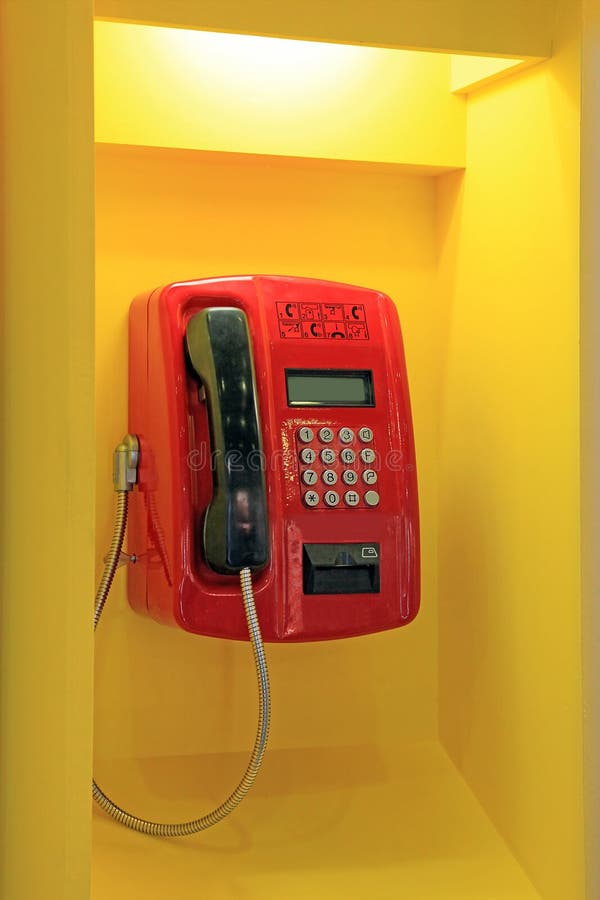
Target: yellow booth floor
[(323, 823)]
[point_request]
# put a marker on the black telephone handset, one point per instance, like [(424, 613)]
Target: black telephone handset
[(236, 530)]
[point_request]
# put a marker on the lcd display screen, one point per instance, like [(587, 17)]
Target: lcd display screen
[(329, 387)]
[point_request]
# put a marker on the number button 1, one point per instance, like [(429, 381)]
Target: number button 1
[(306, 435)]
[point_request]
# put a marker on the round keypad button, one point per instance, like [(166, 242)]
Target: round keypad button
[(305, 435), (369, 476), (311, 498), (309, 477), (326, 435), (365, 435), (372, 498), (329, 476), (327, 456), (332, 498), (349, 476), (347, 455), (351, 498), (308, 455), (346, 435), (367, 455)]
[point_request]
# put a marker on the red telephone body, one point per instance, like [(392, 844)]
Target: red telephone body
[(341, 550)]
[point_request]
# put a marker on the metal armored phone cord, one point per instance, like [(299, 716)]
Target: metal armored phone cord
[(125, 476)]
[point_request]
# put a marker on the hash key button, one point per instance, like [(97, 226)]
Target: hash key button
[(351, 498)]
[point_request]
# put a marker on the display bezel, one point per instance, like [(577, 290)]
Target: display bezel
[(366, 375)]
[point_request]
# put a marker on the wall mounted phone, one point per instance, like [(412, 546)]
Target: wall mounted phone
[(275, 433)]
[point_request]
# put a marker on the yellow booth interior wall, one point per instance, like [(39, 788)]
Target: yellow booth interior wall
[(165, 215), (509, 577)]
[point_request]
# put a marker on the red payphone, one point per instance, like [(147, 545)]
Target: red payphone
[(270, 433), (275, 432)]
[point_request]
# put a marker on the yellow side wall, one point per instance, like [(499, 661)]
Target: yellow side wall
[(169, 215), (46, 448), (509, 577)]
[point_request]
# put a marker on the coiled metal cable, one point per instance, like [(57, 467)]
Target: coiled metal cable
[(180, 829)]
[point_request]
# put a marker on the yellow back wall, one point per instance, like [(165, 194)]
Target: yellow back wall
[(166, 215)]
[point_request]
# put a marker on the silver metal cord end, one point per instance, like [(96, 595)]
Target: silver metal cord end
[(126, 459)]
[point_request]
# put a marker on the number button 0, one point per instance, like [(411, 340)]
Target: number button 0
[(309, 477), (349, 476), (367, 455), (311, 498), (351, 498), (347, 455), (365, 435), (329, 476), (346, 435), (308, 455), (306, 435), (369, 476), (327, 456), (332, 498)]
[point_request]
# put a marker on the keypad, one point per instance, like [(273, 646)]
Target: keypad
[(341, 474)]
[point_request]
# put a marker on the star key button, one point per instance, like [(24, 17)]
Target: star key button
[(311, 498)]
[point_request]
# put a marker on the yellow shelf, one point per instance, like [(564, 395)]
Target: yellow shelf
[(330, 822)]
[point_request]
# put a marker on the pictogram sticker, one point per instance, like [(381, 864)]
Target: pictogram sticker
[(323, 321)]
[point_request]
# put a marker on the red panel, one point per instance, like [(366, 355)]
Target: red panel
[(354, 328)]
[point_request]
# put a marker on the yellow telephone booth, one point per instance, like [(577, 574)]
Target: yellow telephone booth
[(443, 153)]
